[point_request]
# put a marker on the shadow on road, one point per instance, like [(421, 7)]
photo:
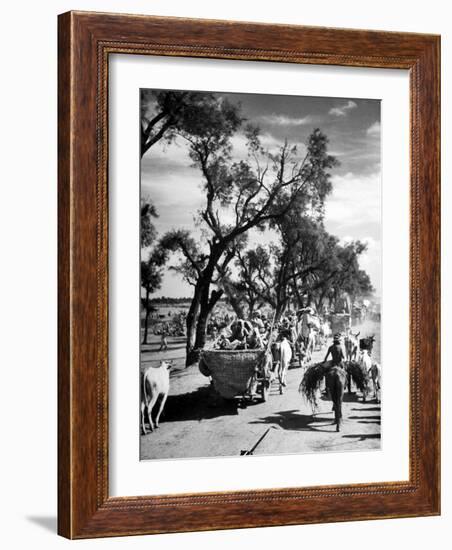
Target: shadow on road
[(374, 418), (352, 398), (200, 404), (293, 420)]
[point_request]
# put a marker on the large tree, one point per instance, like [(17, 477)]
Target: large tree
[(240, 196), (165, 113)]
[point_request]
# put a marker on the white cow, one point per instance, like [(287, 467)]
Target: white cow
[(372, 370), (351, 344), (285, 357), (365, 360), (154, 385)]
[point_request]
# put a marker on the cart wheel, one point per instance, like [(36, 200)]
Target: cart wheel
[(265, 390)]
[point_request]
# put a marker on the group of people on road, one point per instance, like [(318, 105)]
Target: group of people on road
[(250, 333), (301, 329)]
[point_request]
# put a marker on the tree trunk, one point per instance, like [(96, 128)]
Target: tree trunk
[(278, 315), (201, 327), (280, 308), (321, 300), (207, 306), (297, 297), (192, 315), (251, 306), (235, 304), (146, 319), (203, 305)]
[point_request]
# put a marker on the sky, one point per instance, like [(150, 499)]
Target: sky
[(352, 210)]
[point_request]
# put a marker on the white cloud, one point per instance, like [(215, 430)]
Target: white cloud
[(282, 120), (343, 109), (175, 153), (239, 148), (374, 129), (355, 200), (268, 142), (353, 212)]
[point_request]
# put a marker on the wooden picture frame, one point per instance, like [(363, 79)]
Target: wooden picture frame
[(86, 40)]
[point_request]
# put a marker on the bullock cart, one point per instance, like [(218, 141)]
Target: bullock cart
[(238, 373)]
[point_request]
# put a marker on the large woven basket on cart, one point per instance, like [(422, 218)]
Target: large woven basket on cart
[(231, 370)]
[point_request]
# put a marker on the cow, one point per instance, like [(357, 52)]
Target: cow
[(282, 356), (310, 345), (285, 353), (155, 384), (375, 374), (365, 361), (351, 345)]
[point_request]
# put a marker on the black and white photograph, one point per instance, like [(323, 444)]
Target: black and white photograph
[(223, 319), (260, 274)]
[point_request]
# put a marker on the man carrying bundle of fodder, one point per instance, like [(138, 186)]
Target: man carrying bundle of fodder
[(312, 379), (335, 373)]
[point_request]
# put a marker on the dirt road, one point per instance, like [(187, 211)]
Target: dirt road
[(196, 423)]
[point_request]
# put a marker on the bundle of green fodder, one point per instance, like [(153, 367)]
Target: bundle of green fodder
[(310, 383), (358, 374)]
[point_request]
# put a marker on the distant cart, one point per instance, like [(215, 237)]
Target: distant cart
[(340, 322), (238, 373)]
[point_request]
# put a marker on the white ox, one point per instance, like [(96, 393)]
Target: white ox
[(373, 370), (154, 385), (351, 344), (365, 361), (282, 354), (286, 358)]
